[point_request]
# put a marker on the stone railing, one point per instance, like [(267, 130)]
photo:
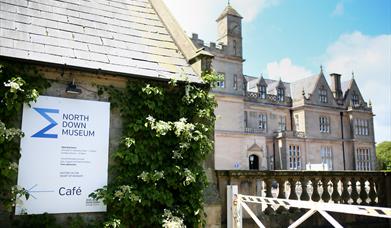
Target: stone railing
[(296, 134), (254, 130), (269, 99), (348, 187), (362, 107)]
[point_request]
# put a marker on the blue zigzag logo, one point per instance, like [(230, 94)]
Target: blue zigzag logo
[(42, 133)]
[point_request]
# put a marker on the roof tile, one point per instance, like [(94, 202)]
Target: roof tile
[(123, 36)]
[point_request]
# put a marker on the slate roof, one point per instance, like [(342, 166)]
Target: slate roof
[(229, 11), (120, 36), (271, 85), (345, 86), (308, 84)]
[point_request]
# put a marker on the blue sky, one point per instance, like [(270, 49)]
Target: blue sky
[(292, 38)]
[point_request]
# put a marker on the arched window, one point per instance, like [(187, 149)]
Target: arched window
[(253, 162)]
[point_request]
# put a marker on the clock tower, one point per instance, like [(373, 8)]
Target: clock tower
[(230, 31)]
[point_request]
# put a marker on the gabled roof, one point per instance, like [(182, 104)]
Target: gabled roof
[(255, 147), (307, 84), (346, 85), (252, 85), (229, 11), (119, 36)]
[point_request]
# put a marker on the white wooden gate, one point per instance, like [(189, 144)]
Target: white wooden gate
[(236, 201)]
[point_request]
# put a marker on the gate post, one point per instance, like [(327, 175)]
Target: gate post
[(234, 209)]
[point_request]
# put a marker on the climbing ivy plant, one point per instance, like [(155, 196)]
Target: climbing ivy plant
[(19, 84), (157, 173)]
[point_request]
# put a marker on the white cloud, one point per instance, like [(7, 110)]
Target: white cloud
[(250, 9), (286, 70), (339, 9), (200, 16), (369, 57)]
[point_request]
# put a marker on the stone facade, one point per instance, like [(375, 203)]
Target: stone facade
[(307, 124)]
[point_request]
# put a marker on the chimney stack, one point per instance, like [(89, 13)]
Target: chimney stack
[(336, 85)]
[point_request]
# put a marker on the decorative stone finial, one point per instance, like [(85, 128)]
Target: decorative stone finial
[(370, 103), (303, 92), (229, 2), (352, 74), (321, 68)]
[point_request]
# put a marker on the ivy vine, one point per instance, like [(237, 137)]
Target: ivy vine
[(157, 173), (19, 84)]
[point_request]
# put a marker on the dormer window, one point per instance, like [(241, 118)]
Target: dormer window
[(262, 91), (322, 95), (280, 94), (355, 100)]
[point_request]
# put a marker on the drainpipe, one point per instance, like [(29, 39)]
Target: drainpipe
[(291, 116), (343, 142)]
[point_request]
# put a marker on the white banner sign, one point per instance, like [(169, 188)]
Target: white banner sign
[(64, 155)]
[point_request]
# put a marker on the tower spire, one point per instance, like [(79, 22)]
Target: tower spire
[(229, 2)]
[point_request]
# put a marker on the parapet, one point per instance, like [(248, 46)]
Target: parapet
[(211, 47)]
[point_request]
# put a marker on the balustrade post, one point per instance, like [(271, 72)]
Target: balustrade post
[(268, 185), (304, 194), (335, 196), (372, 194), (325, 185), (315, 192), (354, 193), (345, 194), (292, 194), (281, 194), (363, 192)]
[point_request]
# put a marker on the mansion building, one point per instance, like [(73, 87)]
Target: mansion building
[(267, 124)]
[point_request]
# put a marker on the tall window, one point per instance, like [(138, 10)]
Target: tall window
[(245, 119), (322, 95), (282, 123), (361, 127), (355, 100), (324, 124), (326, 155), (222, 82), (262, 92), (235, 48), (235, 83), (294, 157), (262, 121), (363, 159), (280, 94)]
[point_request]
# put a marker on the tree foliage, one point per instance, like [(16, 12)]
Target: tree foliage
[(19, 84), (157, 174), (383, 154)]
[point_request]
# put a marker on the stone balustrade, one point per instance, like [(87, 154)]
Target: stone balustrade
[(269, 99), (348, 187)]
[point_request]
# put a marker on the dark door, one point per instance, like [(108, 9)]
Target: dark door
[(254, 162)]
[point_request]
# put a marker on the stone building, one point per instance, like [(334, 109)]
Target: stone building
[(274, 125), (80, 45)]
